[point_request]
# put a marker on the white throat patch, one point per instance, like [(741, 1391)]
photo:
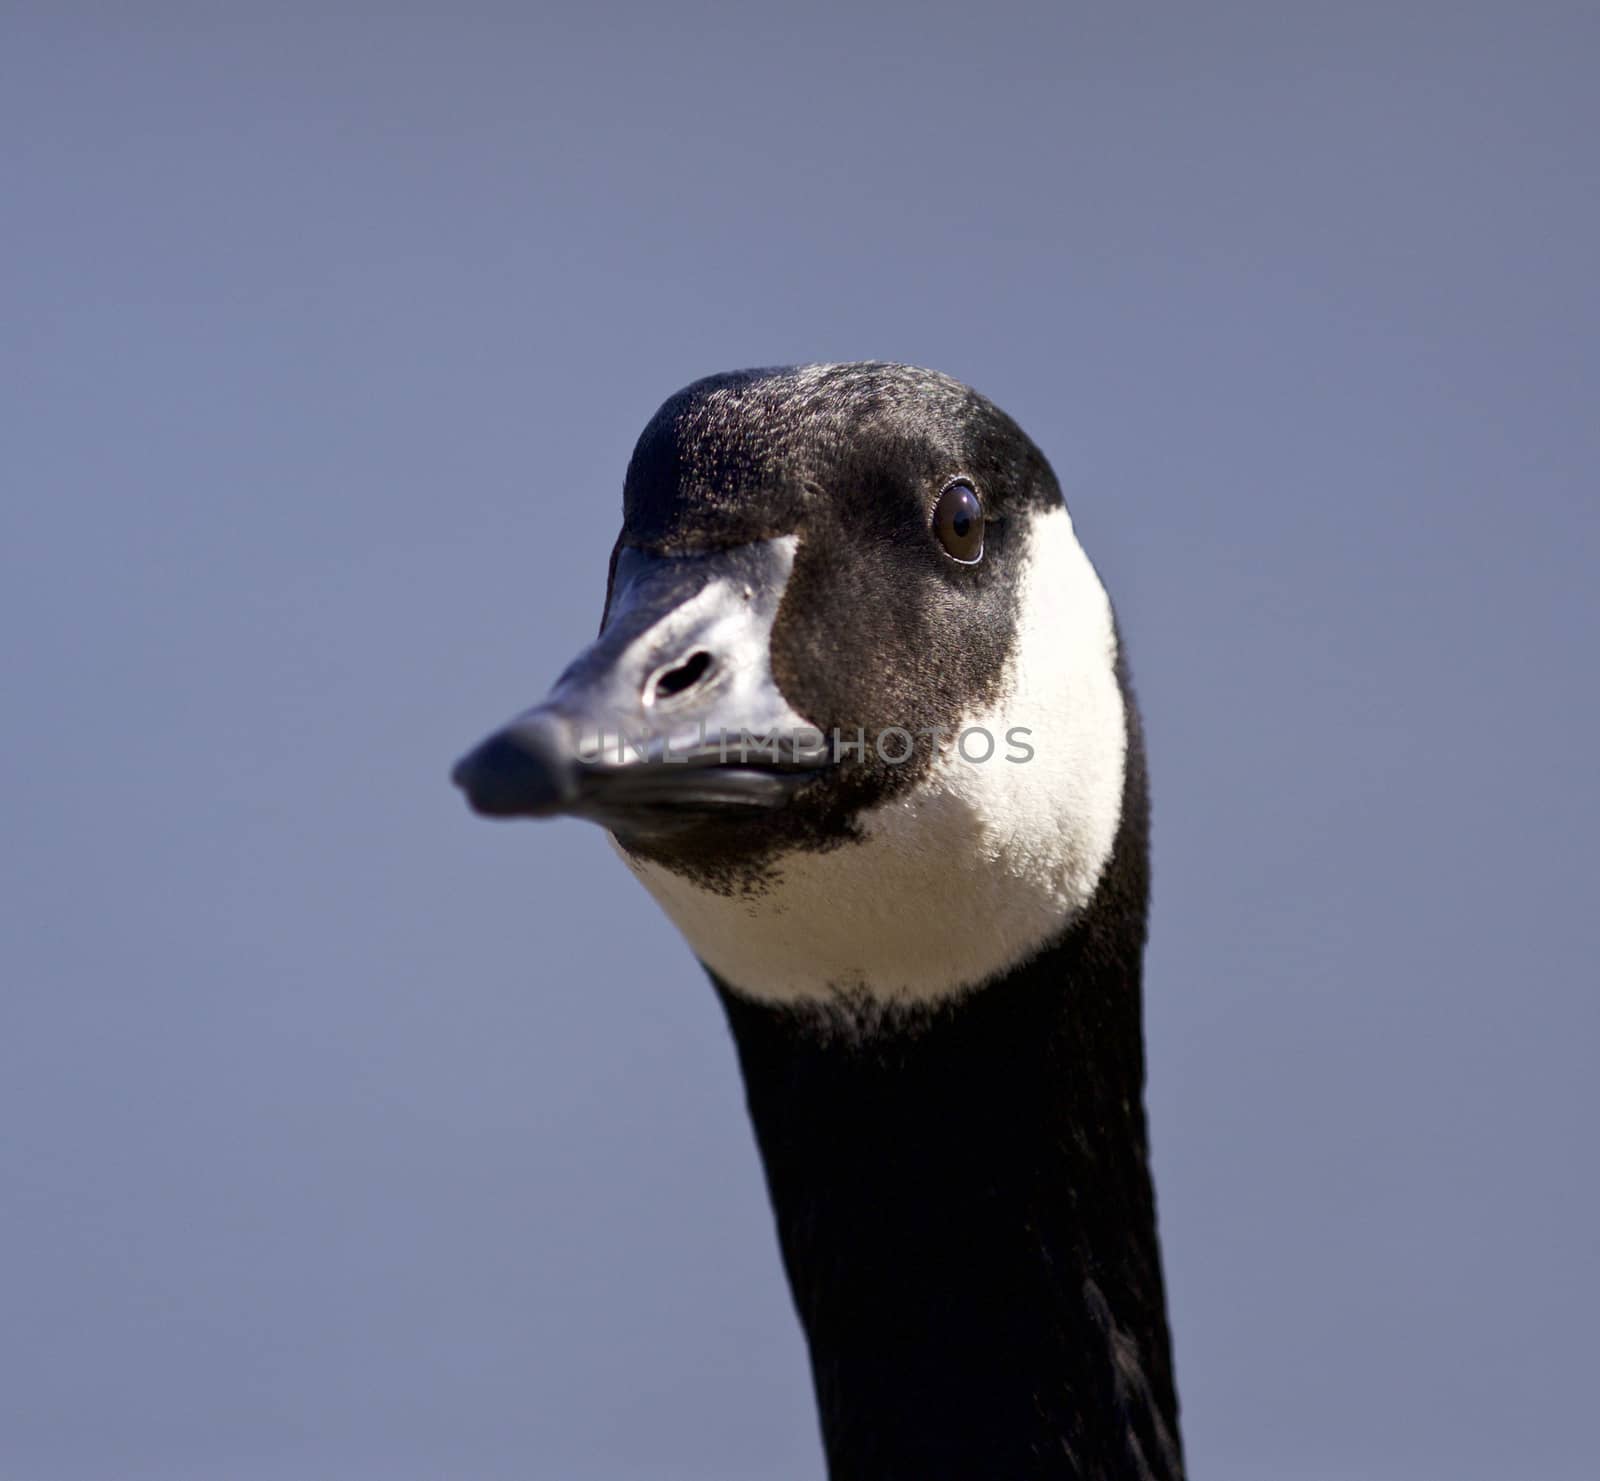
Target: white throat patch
[(973, 870)]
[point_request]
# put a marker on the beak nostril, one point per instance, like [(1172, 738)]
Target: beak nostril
[(677, 679)]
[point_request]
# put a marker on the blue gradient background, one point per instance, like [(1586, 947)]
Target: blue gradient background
[(343, 1136)]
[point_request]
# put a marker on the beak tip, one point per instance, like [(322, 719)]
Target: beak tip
[(526, 770)]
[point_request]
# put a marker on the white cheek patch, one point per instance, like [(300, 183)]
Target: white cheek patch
[(975, 869)]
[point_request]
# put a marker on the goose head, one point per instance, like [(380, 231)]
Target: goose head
[(854, 715)]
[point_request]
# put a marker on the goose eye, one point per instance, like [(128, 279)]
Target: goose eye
[(958, 522)]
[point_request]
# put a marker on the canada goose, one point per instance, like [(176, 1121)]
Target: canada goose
[(858, 718)]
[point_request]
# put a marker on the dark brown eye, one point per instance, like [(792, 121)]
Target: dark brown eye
[(958, 522)]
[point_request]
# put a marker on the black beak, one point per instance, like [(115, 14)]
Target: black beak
[(529, 769), (671, 716)]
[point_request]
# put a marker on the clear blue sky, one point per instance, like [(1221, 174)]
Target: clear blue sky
[(343, 1136)]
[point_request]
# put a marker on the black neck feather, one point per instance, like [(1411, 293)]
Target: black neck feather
[(966, 1214)]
